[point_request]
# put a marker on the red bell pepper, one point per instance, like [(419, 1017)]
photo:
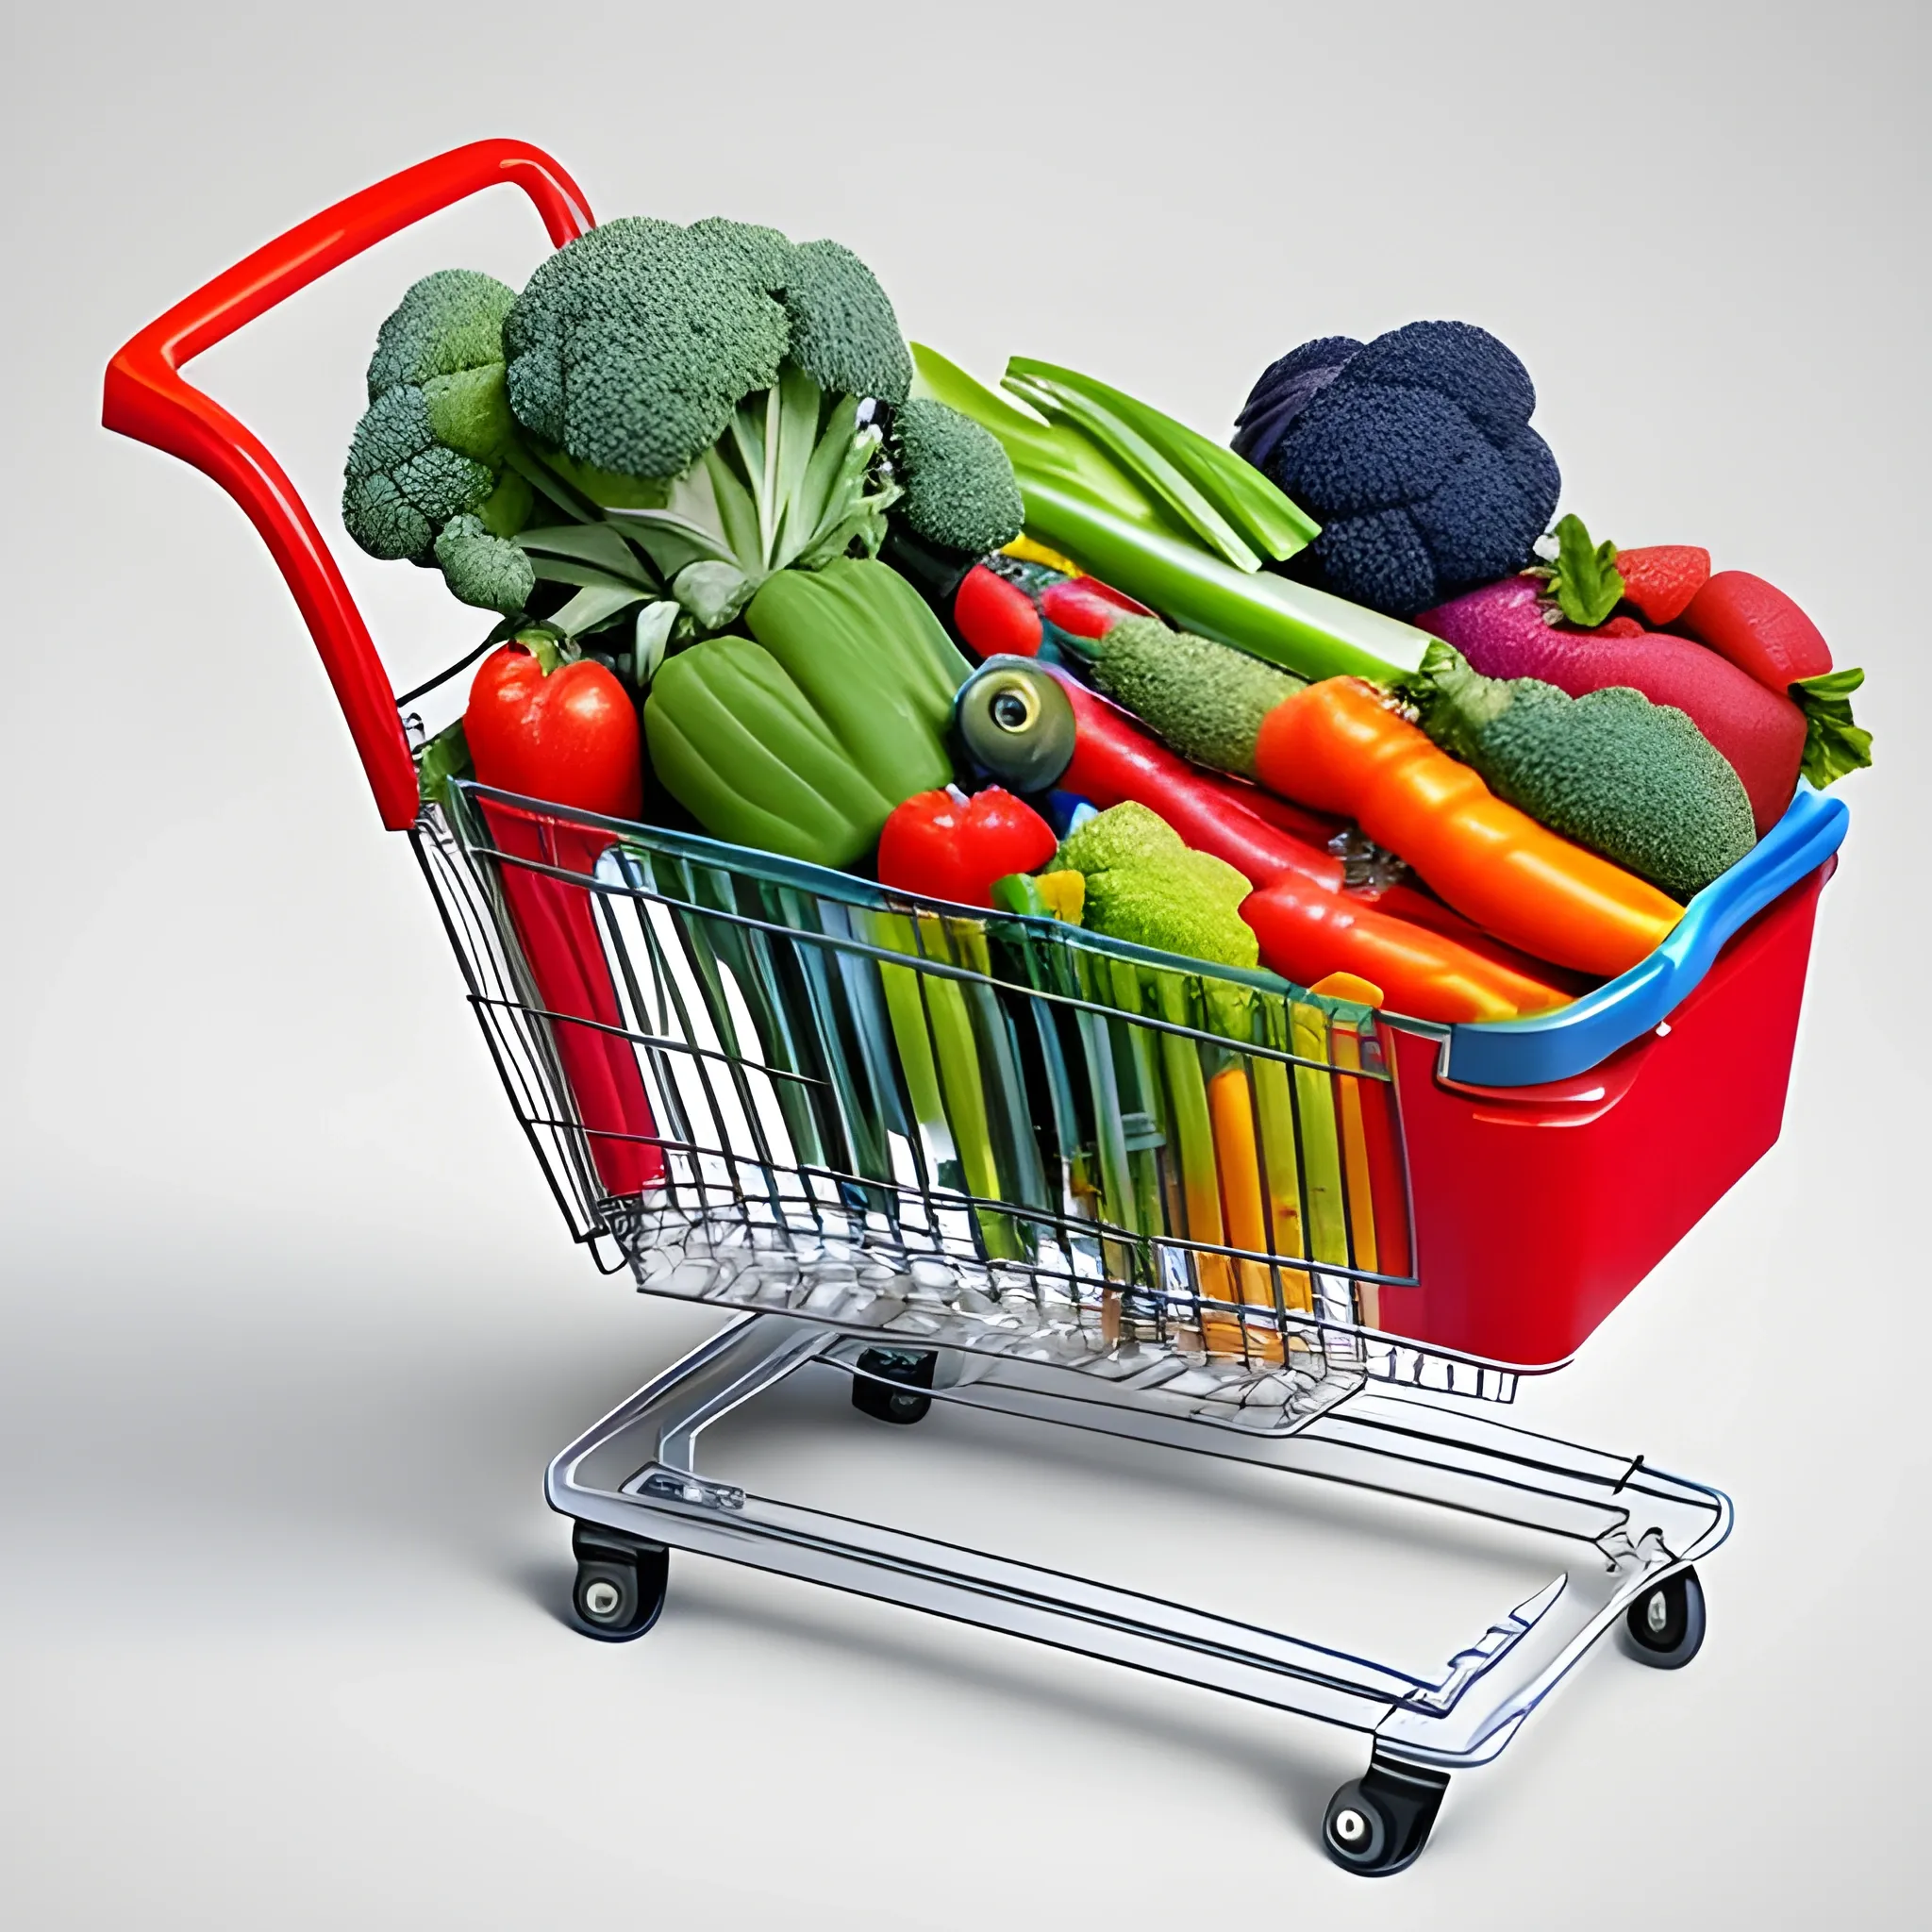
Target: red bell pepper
[(943, 845), (570, 736)]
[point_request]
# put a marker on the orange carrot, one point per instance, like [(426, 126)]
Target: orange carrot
[(1337, 747)]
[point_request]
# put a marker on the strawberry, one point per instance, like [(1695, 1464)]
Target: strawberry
[(1660, 580)]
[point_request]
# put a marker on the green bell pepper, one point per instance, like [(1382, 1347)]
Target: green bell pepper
[(802, 741)]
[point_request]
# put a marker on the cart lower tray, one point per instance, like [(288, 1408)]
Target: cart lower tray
[(1627, 1533)]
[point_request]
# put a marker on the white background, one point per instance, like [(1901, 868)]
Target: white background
[(288, 1325)]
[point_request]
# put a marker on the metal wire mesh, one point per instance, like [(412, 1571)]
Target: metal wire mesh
[(767, 1085)]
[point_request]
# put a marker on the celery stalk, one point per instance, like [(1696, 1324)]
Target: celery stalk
[(1270, 617), (1207, 484)]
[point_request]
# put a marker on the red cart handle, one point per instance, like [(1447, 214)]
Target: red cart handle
[(146, 398)]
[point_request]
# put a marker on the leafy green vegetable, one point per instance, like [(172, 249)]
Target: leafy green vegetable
[(1833, 744), (445, 756), (1171, 519), (1585, 582)]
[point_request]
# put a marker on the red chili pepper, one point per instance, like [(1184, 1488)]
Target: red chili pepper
[(945, 847), (1115, 761), (570, 737), (1306, 935), (1085, 608), (995, 616)]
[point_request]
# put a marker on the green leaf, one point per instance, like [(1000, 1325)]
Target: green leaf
[(595, 543), (673, 540), (1585, 582), (561, 570), (1183, 503), (738, 511), (533, 470), (445, 756), (811, 498), (655, 624), (1833, 744), (794, 443), (714, 594), (595, 604)]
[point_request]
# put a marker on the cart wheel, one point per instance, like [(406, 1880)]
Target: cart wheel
[(1666, 1622), (620, 1581), (912, 1368), (1379, 1822)]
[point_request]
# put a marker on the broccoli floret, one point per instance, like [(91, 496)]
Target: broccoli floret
[(1145, 886), (403, 482), (1635, 781), (844, 335), (483, 569), (448, 323), (957, 483), (1416, 454), (765, 252), (631, 345), (432, 445), (723, 366)]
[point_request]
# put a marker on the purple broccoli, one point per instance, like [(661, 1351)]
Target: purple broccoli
[(1415, 454)]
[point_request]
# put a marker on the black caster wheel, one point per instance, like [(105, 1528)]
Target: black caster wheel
[(874, 1393), (1666, 1622), (621, 1580), (1378, 1823)]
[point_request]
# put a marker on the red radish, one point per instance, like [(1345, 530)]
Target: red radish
[(1502, 631), (1759, 628), (1661, 579)]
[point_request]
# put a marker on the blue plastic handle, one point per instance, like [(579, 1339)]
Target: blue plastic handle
[(1559, 1045)]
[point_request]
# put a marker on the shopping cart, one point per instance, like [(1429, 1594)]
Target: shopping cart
[(999, 1164)]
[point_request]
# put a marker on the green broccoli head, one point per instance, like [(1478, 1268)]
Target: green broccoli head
[(1144, 885), (432, 444), (1631, 779), (631, 345), (1636, 781), (765, 252), (483, 569), (844, 335), (958, 482)]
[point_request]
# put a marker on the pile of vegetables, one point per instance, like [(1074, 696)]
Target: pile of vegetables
[(1337, 699)]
